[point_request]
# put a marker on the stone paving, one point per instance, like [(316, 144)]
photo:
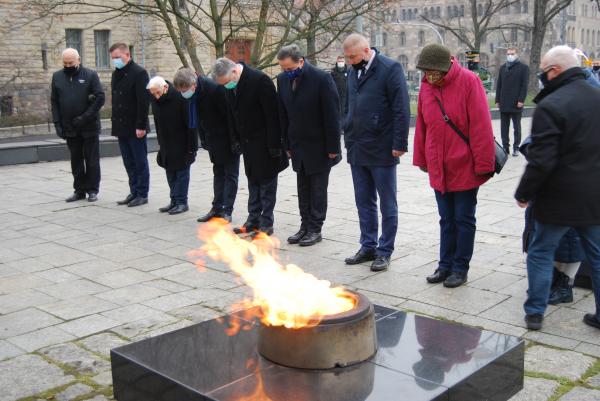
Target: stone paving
[(79, 279)]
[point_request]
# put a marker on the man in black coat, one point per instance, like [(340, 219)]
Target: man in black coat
[(310, 116), (130, 121), (562, 177), (77, 97), (208, 115), (177, 142), (511, 91), (376, 136), (255, 127), (340, 77)]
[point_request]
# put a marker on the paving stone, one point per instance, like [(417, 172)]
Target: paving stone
[(463, 299), (74, 391), (8, 350), (123, 278), (76, 358), (98, 398), (25, 321), (495, 281), (103, 379), (536, 389), (594, 381), (399, 285), (102, 343), (170, 302), (491, 325), (132, 294), (29, 265), (66, 258), (27, 375), (167, 285), (21, 282), (73, 288), (93, 268), (116, 252), (57, 275), (152, 262), (131, 313), (78, 307), (581, 394), (142, 326), (588, 349), (568, 322), (41, 338), (558, 363), (195, 313), (88, 325), (429, 310), (22, 300), (552, 340)]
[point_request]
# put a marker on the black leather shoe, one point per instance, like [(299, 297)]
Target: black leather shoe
[(75, 197), (380, 264), (439, 276), (515, 153), (266, 230), (179, 209), (310, 239), (138, 201), (591, 320), (212, 213), (534, 322), (455, 279), (226, 217), (165, 209), (126, 201), (361, 257), (294, 239), (246, 228), (92, 197)]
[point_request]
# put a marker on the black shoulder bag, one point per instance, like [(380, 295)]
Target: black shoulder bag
[(501, 155)]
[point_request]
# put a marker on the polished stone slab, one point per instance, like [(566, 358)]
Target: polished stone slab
[(419, 359)]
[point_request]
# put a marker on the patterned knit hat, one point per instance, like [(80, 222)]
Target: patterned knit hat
[(435, 57)]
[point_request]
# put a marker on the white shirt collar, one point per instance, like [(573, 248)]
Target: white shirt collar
[(373, 54)]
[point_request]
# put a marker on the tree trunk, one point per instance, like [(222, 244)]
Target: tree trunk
[(218, 25), (261, 29), (186, 34), (538, 33), (172, 33)]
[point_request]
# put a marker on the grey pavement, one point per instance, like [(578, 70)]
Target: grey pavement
[(79, 279)]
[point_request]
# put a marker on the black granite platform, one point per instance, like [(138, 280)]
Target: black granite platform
[(419, 359)]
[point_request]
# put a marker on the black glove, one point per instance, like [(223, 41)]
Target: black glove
[(275, 153), (59, 130), (78, 122)]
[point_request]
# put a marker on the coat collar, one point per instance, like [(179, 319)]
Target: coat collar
[(563, 79), (372, 67)]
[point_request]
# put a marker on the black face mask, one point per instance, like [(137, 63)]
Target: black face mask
[(543, 77), (360, 65), (71, 70)]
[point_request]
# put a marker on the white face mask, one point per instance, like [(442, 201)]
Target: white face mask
[(511, 58), (341, 64)]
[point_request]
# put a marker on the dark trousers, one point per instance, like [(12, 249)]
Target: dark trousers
[(261, 202), (505, 119), (179, 183), (457, 229), (225, 185), (85, 163), (312, 199), (370, 181), (135, 159)]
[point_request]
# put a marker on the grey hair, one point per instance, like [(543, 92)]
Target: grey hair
[(290, 51), (156, 82), (222, 67), (184, 78), (563, 57)]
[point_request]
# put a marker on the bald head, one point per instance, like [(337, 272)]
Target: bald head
[(356, 40), (71, 58), (357, 49), (558, 60)]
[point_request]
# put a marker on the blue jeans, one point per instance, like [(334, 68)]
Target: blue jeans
[(179, 183), (261, 202), (135, 159), (370, 181), (540, 258), (457, 229), (225, 185)]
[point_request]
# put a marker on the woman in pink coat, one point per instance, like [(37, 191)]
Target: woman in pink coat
[(457, 166)]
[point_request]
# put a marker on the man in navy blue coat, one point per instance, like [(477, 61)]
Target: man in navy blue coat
[(376, 136), (310, 119)]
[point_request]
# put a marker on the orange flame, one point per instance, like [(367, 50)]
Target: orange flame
[(282, 295)]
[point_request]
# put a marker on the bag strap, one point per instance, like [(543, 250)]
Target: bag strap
[(450, 122)]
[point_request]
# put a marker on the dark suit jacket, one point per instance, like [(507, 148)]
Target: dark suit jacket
[(378, 114), (511, 86), (211, 106), (254, 123), (130, 100), (310, 119)]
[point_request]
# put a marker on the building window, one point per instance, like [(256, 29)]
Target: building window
[(101, 44), (438, 12), (517, 7), (514, 35), (421, 38), (74, 40), (455, 11), (431, 12), (525, 7), (527, 35), (403, 60), (449, 12), (384, 39), (402, 38), (403, 15), (462, 10), (238, 50), (6, 106), (44, 56)]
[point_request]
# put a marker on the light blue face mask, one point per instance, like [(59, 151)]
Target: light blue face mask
[(231, 85), (118, 63), (188, 93)]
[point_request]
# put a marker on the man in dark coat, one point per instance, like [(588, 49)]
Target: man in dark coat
[(77, 98), (511, 91), (255, 127), (208, 115), (340, 77), (130, 121), (177, 142), (562, 177), (310, 115), (376, 135)]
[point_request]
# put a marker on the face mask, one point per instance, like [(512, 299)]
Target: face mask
[(597, 68), (434, 77), (118, 63), (341, 64), (71, 70), (472, 65), (294, 73), (188, 93), (231, 85), (360, 65), (511, 58), (543, 77)]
